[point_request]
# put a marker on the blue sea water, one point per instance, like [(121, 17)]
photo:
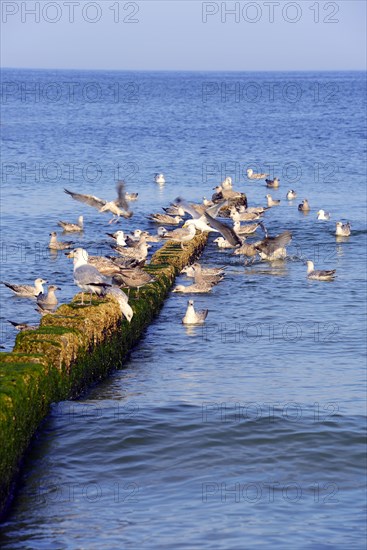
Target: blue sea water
[(247, 433)]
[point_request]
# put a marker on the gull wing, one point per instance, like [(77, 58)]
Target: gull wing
[(187, 207), (214, 210), (271, 244), (226, 231), (91, 200), (89, 275), (121, 200)]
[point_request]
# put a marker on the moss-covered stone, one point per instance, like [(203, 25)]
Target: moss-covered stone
[(72, 349)]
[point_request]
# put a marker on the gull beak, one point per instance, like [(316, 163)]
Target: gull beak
[(70, 254)]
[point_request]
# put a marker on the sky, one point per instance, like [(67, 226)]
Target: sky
[(259, 35)]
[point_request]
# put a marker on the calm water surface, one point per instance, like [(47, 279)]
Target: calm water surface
[(247, 433)]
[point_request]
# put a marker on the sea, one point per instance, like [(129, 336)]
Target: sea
[(247, 432)]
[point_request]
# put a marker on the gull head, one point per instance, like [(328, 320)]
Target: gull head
[(127, 311), (53, 287), (78, 254), (190, 303), (40, 281), (161, 231), (310, 266)]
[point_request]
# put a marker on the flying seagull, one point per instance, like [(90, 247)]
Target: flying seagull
[(118, 207)]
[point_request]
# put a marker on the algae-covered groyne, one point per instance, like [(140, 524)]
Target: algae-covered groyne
[(73, 348)]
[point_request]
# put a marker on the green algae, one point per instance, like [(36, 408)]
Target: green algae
[(72, 349)]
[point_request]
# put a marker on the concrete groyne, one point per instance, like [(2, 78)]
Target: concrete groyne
[(72, 349)]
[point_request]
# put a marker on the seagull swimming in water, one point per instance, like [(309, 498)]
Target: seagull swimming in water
[(54, 244), (271, 201), (27, 291), (252, 176), (322, 215), (23, 326), (47, 303), (342, 229), (304, 206), (72, 227), (193, 317), (291, 195), (319, 275), (273, 248), (159, 178), (273, 184)]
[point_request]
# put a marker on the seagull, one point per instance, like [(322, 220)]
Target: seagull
[(182, 235), (200, 277), (304, 206), (271, 201), (273, 248), (252, 209), (139, 252), (107, 266), (122, 299), (118, 207), (48, 302), (221, 193), (252, 176), (244, 216), (195, 288), (72, 227), (23, 326), (227, 183), (161, 231), (131, 196), (159, 178), (54, 244), (135, 240), (134, 278), (322, 215), (27, 291), (193, 317), (207, 202), (248, 250), (174, 210), (119, 237), (291, 195), (319, 275), (342, 229), (241, 230), (205, 271), (273, 184), (165, 218), (86, 276), (222, 243)]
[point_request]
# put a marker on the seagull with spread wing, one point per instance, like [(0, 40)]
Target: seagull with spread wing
[(117, 207)]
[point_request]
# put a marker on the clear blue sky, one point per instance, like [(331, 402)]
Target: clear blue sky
[(172, 34)]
